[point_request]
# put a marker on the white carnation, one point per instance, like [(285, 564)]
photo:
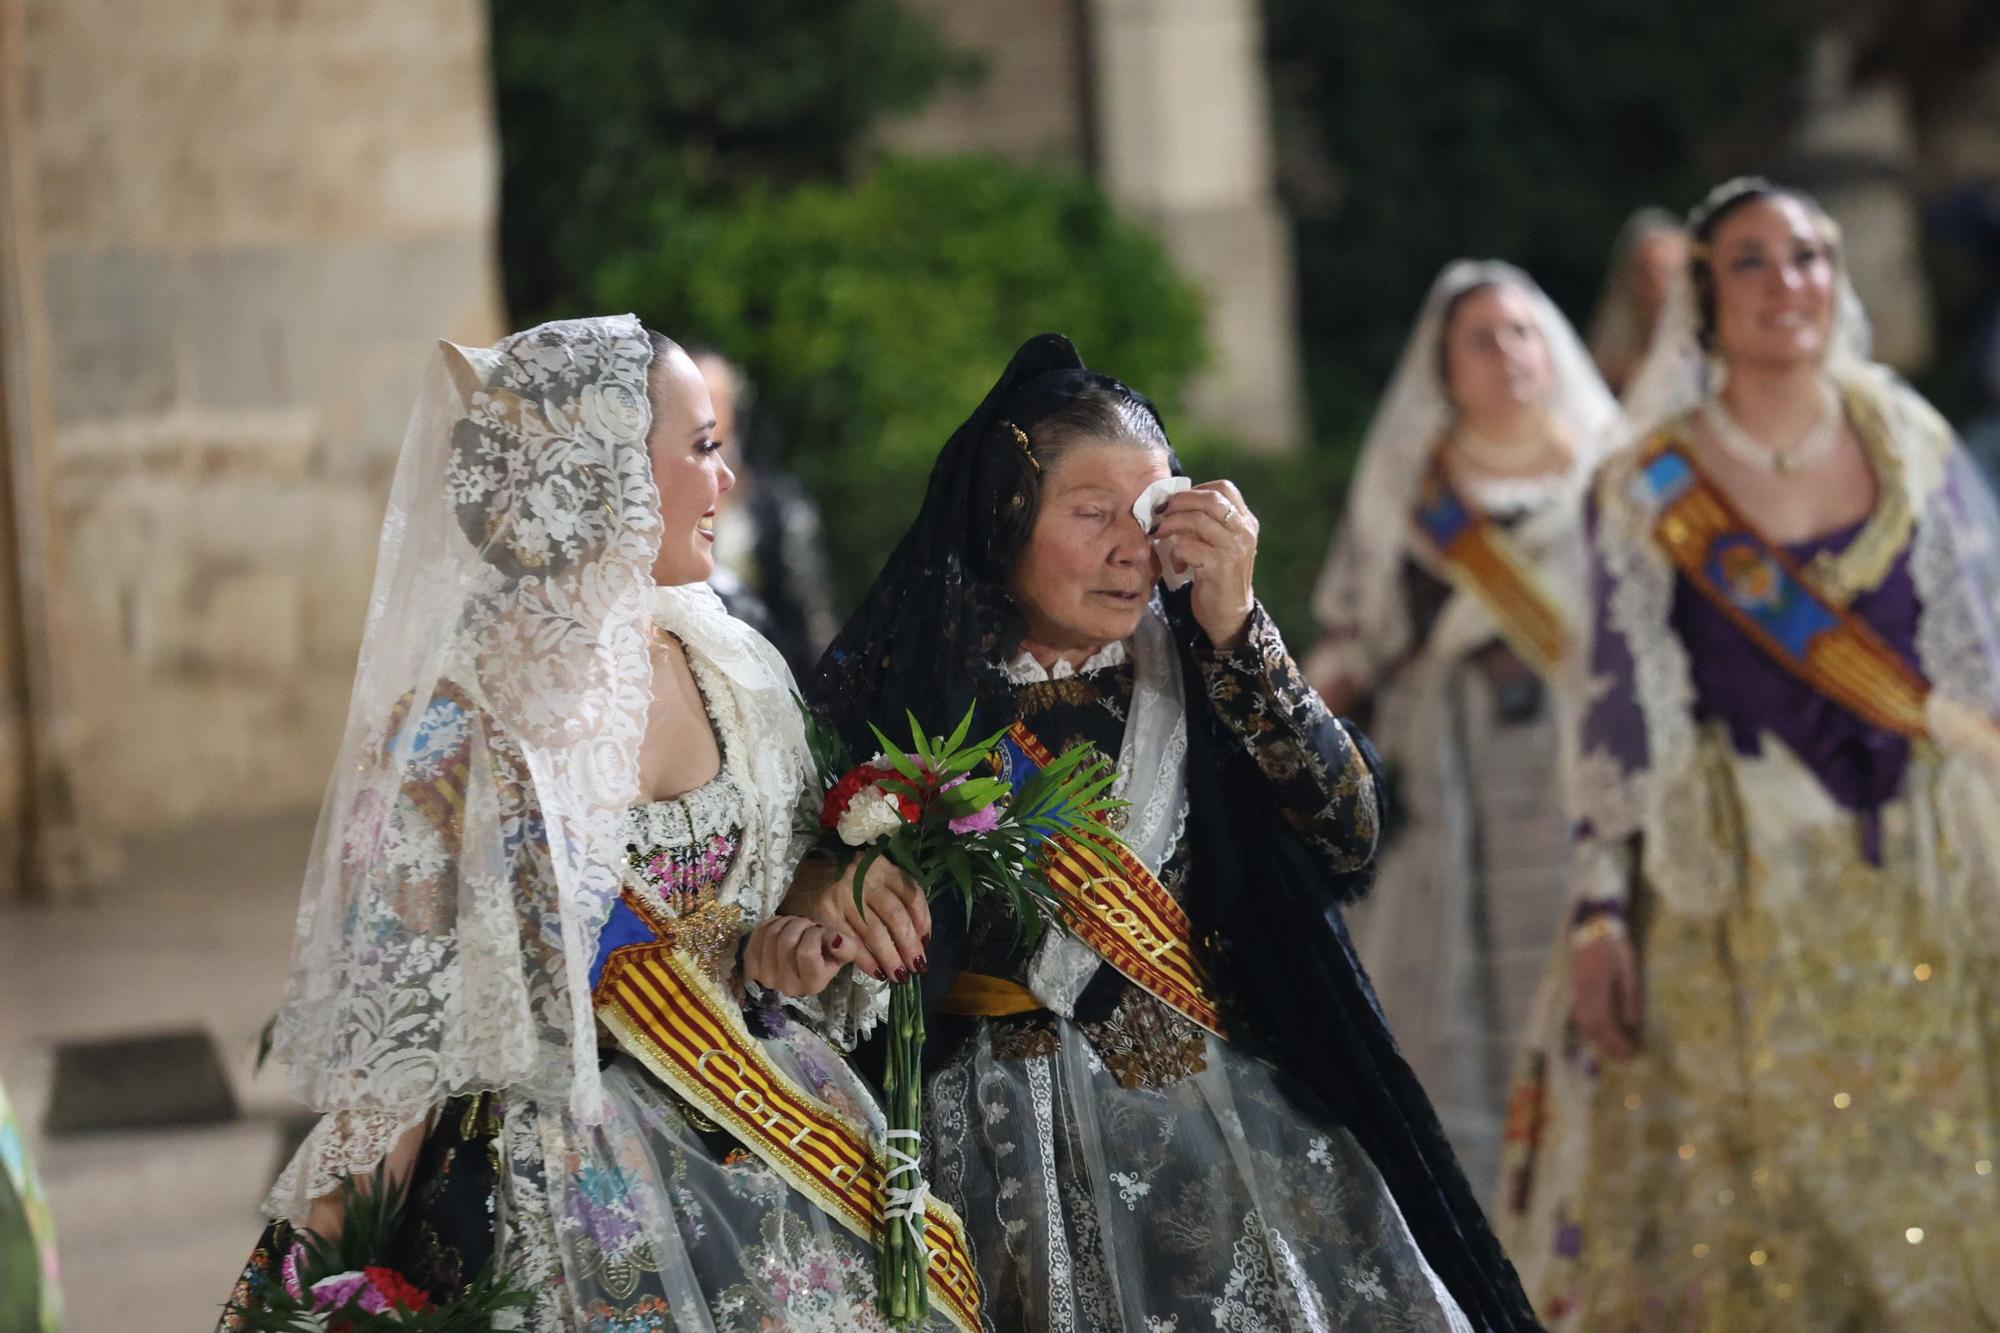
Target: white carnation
[(870, 815)]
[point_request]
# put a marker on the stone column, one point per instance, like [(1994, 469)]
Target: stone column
[(1856, 149), (1030, 105), (254, 221), (40, 843), (1184, 142)]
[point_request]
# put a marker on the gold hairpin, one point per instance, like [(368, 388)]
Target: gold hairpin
[(1021, 438)]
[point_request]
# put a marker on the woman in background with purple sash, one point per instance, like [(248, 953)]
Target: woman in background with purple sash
[(1763, 1092)]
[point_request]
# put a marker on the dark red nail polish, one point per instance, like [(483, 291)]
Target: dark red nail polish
[(923, 964), (902, 975), (927, 940), (839, 940)]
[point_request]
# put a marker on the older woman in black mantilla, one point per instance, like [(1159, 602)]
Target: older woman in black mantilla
[(1117, 1165)]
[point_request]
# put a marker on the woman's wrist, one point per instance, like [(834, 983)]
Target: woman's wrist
[(1595, 920), (809, 881)]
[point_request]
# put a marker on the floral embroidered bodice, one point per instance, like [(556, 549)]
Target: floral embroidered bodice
[(678, 851), (678, 857)]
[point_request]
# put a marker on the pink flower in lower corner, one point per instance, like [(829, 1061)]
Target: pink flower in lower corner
[(294, 1264)]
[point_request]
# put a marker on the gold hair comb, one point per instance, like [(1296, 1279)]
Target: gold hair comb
[(1021, 438)]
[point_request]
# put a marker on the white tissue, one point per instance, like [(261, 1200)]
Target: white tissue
[(1149, 500)]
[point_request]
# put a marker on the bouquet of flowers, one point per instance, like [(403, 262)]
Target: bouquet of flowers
[(340, 1286), (938, 812)]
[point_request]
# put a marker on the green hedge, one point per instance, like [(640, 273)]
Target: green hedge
[(874, 317), (609, 107)]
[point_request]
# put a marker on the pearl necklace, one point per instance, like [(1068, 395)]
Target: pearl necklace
[(1504, 461), (1809, 449)]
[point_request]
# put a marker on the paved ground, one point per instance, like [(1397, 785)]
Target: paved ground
[(195, 932)]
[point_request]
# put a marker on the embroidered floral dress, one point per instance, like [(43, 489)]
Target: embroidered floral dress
[(1808, 1136), (1121, 1169), (656, 1219)]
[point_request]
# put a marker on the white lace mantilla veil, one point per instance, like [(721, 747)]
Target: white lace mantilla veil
[(1358, 585), (470, 843), (1690, 860)]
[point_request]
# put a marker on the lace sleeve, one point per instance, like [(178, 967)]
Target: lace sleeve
[(343, 1144), (438, 963), (847, 1010), (1315, 773), (1611, 745)]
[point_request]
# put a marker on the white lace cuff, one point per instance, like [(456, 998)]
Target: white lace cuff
[(341, 1145), (847, 1010)]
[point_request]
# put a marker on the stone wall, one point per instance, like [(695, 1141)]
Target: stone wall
[(1031, 101), (1185, 107), (251, 220)]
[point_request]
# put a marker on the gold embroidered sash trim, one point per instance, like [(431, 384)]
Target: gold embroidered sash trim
[(1484, 561), (1122, 911), (1777, 605), (679, 1024)]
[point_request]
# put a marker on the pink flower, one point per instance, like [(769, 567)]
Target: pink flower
[(331, 1293), (979, 821), (294, 1264)]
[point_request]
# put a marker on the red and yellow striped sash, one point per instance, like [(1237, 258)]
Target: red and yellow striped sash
[(676, 1022), (1127, 917)]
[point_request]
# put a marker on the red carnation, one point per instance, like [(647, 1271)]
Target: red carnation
[(398, 1290), (843, 793)]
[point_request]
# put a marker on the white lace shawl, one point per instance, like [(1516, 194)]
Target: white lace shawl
[(1152, 775), (470, 843), (1358, 591)]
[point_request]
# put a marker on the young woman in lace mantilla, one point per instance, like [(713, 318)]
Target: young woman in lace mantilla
[(1762, 1090), (570, 778)]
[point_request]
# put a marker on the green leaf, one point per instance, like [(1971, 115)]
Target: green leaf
[(964, 728), (869, 856), (920, 742), (896, 758), (972, 796), (959, 865)]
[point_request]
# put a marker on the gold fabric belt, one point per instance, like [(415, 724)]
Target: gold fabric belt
[(976, 995)]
